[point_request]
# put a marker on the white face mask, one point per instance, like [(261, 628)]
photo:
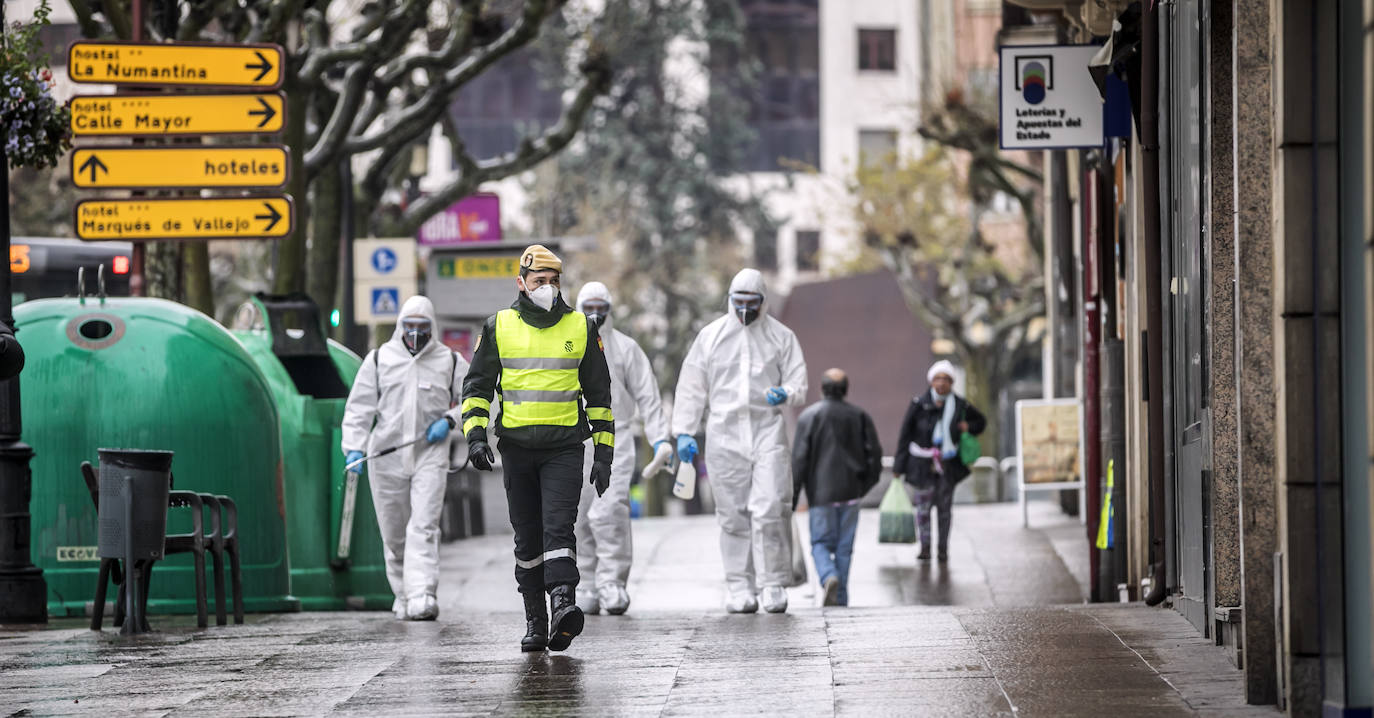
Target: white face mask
[(544, 296)]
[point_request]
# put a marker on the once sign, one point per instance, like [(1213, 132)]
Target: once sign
[(156, 167), (1048, 98), (218, 218), (176, 115), (175, 64)]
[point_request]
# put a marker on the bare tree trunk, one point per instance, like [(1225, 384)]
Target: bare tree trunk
[(290, 276), (982, 385), (322, 281), (195, 257), (162, 270)]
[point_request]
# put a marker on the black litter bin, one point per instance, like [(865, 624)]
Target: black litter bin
[(133, 522)]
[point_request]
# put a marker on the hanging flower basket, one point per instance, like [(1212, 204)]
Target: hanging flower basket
[(33, 126)]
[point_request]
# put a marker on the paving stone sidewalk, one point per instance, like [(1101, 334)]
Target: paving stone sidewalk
[(1001, 630)]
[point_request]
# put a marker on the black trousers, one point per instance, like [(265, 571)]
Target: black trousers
[(543, 487)]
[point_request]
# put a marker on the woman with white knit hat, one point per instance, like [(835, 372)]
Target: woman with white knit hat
[(927, 454)]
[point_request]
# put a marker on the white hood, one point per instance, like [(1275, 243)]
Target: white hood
[(592, 291), (417, 306), (748, 280)]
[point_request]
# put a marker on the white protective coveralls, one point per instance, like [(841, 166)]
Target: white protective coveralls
[(404, 394), (730, 367), (604, 546)]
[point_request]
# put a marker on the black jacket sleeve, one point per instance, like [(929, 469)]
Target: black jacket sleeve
[(873, 454), (801, 457), (595, 378), (976, 421), (900, 455), (480, 383)]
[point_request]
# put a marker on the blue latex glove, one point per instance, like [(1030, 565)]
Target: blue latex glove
[(352, 457), (686, 448), (438, 430), (775, 396)]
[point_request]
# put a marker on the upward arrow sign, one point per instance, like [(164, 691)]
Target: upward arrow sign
[(94, 164)]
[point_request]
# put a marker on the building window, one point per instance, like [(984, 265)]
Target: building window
[(808, 250), (877, 146), (766, 250), (509, 101), (878, 50), (783, 104)]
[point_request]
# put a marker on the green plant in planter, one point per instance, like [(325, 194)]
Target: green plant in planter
[(33, 125)]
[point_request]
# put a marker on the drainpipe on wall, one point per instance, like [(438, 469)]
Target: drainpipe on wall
[(1154, 331)]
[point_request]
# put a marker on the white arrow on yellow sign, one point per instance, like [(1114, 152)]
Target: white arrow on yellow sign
[(172, 115), (165, 167), (215, 218), (184, 64)]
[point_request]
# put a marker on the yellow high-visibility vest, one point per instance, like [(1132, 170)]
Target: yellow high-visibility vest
[(539, 369)]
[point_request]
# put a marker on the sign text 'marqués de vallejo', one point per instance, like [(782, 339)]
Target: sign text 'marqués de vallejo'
[(1048, 98)]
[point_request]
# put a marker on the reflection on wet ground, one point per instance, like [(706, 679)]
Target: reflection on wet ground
[(999, 630)]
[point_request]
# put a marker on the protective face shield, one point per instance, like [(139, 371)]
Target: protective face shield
[(746, 306), (597, 311), (415, 332)]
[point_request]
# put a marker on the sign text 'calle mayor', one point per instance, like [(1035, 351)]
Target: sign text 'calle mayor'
[(173, 115)]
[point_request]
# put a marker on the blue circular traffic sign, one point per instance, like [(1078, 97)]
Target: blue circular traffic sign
[(384, 260)]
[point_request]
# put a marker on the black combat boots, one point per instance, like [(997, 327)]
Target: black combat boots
[(536, 623), (567, 618)]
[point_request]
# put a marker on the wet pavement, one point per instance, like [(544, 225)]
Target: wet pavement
[(1000, 630)]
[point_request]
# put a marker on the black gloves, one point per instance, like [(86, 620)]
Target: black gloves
[(601, 476), (479, 454)]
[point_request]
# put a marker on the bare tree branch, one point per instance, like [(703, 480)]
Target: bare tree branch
[(85, 17), (596, 79), (418, 117), (273, 26), (326, 148), (456, 41)]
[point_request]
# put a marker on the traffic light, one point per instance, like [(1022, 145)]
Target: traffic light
[(334, 318)]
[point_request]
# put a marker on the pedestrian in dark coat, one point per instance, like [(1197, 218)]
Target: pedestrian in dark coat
[(927, 455), (837, 458)]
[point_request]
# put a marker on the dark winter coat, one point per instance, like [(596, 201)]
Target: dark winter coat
[(922, 416), (836, 456)]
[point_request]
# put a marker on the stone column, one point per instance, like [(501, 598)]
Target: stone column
[(1256, 405), (1307, 349), (1220, 259)]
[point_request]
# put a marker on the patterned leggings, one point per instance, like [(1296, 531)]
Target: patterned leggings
[(940, 496)]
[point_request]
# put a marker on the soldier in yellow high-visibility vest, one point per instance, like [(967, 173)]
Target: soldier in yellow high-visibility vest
[(547, 365)]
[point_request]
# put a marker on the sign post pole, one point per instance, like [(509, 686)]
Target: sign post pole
[(23, 590)]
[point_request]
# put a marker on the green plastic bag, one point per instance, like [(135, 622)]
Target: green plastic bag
[(969, 446), (896, 522)]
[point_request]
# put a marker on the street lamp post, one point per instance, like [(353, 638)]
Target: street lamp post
[(23, 592)]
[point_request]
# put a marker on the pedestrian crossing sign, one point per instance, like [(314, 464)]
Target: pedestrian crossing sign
[(386, 301)]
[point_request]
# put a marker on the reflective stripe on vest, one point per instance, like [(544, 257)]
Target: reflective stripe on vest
[(539, 369)]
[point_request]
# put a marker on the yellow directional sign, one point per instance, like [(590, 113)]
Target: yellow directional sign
[(184, 64), (218, 218), (165, 167), (173, 115)]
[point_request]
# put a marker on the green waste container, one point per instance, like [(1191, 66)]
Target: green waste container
[(136, 373), (310, 377)]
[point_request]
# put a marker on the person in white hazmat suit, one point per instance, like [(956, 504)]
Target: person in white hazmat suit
[(604, 546), (407, 388), (740, 372)]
